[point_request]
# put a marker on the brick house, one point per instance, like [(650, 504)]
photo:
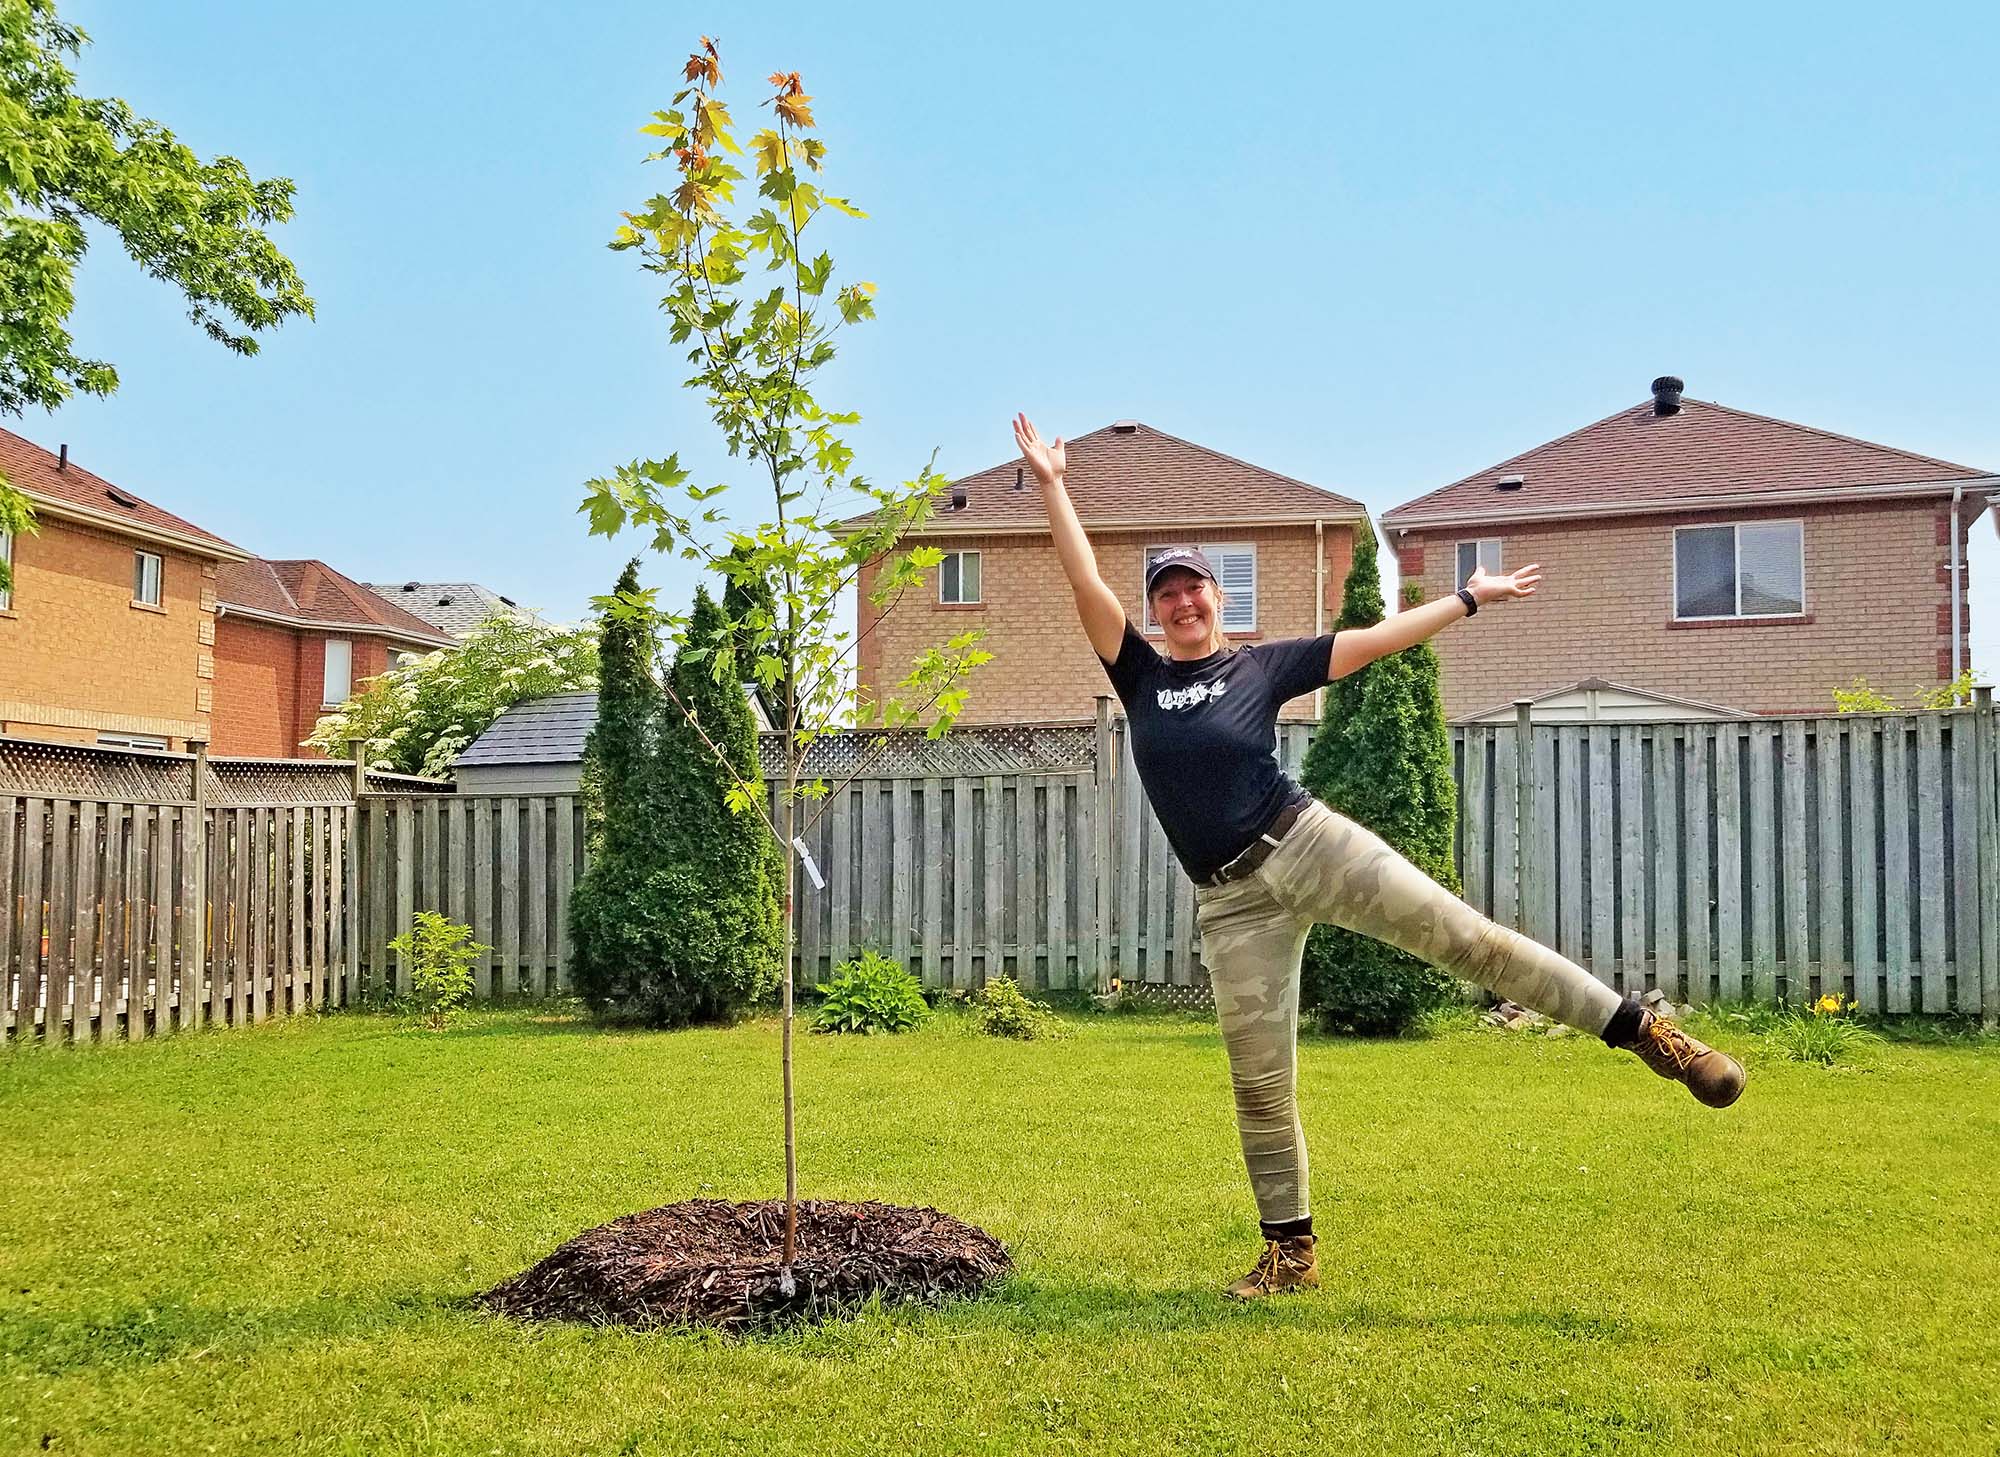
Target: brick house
[(294, 638), (108, 636), (1281, 547), (1695, 550)]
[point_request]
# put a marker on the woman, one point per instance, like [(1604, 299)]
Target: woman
[(1268, 860)]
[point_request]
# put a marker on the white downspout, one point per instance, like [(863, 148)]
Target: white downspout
[(1957, 587), (1319, 602)]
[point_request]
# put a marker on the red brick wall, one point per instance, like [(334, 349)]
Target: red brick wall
[(1043, 667), (78, 657), (1877, 606), (269, 680)]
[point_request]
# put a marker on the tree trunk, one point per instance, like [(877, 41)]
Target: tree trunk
[(791, 924)]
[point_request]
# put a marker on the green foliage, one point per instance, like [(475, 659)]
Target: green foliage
[(1824, 1033), (1860, 697), (441, 953), (69, 161), (1004, 1010), (870, 994), (677, 919), (1381, 756), (417, 718)]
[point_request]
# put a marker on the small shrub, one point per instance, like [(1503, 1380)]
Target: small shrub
[(1006, 1011), (1825, 1033), (870, 994), (441, 954)]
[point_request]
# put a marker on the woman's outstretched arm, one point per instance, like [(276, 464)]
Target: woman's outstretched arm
[(1359, 646), (1098, 607)]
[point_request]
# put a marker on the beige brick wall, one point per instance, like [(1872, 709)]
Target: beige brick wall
[(1877, 606), (1043, 667), (76, 657)]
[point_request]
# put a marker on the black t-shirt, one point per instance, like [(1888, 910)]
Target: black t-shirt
[(1205, 738)]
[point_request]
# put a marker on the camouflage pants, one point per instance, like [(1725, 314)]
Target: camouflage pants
[(1253, 935)]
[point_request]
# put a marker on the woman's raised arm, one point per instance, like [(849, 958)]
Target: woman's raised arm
[(1097, 606)]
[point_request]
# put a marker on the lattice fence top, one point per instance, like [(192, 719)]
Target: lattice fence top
[(906, 753), (83, 771), (238, 782)]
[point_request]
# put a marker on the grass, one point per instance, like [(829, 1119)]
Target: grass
[(261, 1241)]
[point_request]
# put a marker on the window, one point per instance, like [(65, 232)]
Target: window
[(958, 577), (130, 741), (7, 556), (1756, 569), (146, 578), (1235, 566), (1472, 554), (339, 671)]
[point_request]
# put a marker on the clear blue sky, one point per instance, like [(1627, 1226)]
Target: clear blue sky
[(1373, 247)]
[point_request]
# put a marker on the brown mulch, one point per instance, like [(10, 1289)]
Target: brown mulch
[(711, 1262)]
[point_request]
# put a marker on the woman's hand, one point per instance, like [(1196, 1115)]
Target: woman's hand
[(1504, 588), (1045, 460)]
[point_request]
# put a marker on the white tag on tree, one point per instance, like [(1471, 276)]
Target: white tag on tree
[(812, 870)]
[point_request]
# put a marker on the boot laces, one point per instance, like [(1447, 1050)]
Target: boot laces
[(1265, 1274), (1674, 1044)]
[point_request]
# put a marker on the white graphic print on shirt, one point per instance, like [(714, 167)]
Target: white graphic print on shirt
[(1191, 697)]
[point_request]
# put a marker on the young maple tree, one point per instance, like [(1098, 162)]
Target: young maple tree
[(760, 313)]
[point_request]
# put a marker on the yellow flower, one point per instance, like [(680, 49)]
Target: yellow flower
[(1829, 1005)]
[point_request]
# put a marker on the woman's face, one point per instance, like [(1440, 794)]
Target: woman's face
[(1185, 606)]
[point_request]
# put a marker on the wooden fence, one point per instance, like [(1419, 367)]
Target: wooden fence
[(124, 920), (1760, 858), (503, 864)]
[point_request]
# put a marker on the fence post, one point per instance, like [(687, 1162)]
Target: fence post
[(1105, 777), (358, 750), (1986, 765), (1524, 764), (192, 977)]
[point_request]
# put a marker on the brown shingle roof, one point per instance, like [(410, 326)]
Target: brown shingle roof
[(1641, 460), (32, 469), (1132, 474), (311, 592)]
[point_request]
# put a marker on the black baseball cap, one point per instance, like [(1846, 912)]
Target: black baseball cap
[(1187, 558)]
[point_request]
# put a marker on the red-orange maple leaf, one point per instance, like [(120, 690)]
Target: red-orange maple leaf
[(706, 62), (792, 107), (787, 81)]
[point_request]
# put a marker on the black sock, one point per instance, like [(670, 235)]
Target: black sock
[(1625, 1024), (1287, 1228)]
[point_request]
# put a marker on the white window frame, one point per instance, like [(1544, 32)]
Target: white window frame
[(1736, 567), (326, 698), (132, 741), (139, 560), (1478, 545), (962, 600), (7, 556), (1211, 550)]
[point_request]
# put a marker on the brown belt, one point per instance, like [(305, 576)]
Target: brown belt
[(1260, 848)]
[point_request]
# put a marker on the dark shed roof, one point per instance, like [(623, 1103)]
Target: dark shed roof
[(539, 731)]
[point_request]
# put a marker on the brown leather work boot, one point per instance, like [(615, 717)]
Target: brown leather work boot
[(1715, 1078), (1287, 1264)]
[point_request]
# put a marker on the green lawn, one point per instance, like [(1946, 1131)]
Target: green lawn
[(261, 1240)]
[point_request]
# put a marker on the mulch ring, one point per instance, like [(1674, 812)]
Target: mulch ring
[(711, 1262)]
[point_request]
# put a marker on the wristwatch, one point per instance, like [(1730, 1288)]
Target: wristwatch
[(1471, 602)]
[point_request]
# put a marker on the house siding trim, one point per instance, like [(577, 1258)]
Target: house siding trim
[(1741, 501)]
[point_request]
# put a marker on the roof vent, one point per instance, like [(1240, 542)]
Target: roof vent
[(509, 601), (444, 601), (410, 586), (1124, 427), (121, 498), (958, 497), (1667, 395), (62, 460), (1510, 483)]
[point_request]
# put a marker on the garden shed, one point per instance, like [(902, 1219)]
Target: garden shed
[(535, 747)]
